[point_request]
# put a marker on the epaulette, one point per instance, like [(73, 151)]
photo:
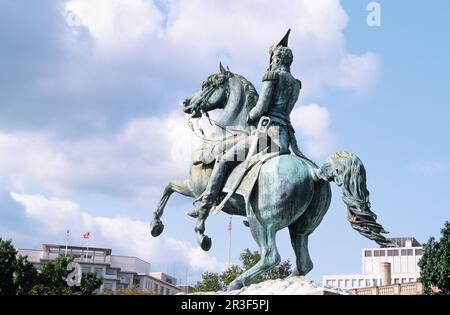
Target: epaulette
[(270, 76), (299, 83)]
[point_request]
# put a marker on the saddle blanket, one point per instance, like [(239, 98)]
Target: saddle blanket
[(247, 183)]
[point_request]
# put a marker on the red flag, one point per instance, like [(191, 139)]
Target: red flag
[(229, 226), (86, 235)]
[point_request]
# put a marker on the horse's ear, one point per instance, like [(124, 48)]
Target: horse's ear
[(222, 69)]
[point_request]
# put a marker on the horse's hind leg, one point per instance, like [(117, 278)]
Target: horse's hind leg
[(265, 237), (182, 187), (299, 243)]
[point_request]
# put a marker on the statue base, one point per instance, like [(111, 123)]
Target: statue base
[(288, 286)]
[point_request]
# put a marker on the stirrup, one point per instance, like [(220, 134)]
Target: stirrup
[(197, 200)]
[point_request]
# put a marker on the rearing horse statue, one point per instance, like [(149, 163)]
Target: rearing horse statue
[(290, 191)]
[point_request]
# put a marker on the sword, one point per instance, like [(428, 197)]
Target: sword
[(263, 125)]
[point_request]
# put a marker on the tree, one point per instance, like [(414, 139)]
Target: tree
[(230, 274), (17, 275), (210, 282), (90, 283), (217, 282), (435, 264), (7, 267), (25, 276), (52, 280), (249, 259)]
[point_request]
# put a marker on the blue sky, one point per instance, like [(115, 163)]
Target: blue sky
[(89, 113)]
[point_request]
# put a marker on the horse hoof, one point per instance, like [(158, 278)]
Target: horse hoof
[(235, 285), (156, 228), (205, 243)]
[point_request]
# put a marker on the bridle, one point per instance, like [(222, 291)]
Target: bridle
[(197, 130)]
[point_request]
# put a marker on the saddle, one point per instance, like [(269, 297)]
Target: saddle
[(250, 178)]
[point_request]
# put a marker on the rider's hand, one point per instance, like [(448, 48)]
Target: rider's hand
[(250, 121)]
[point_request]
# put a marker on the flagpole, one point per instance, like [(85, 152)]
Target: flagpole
[(67, 242), (229, 244), (87, 248)]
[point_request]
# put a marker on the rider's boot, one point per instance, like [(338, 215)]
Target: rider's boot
[(209, 197)]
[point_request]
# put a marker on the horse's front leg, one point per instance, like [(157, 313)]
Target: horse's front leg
[(203, 240), (182, 187)]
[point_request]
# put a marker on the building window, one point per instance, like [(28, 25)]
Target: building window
[(409, 252), (419, 251), (108, 286), (329, 282), (361, 282), (353, 283), (367, 282), (85, 270), (125, 279), (403, 280), (367, 253), (392, 252), (396, 280), (347, 283), (411, 280), (404, 252), (98, 271), (167, 291), (339, 284), (375, 282)]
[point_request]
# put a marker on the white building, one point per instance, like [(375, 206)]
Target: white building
[(117, 272), (403, 261)]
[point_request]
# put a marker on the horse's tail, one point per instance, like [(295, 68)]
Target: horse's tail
[(348, 172)]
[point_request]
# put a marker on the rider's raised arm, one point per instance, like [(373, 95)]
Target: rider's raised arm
[(269, 82)]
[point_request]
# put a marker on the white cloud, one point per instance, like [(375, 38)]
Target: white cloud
[(428, 168), (136, 161), (115, 24), (194, 34), (312, 122), (131, 237)]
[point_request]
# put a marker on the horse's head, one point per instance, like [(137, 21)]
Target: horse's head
[(213, 95)]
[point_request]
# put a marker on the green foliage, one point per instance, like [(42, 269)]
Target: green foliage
[(90, 283), (7, 267), (18, 276), (435, 264), (249, 259), (218, 282), (230, 274), (25, 276), (129, 291), (210, 282)]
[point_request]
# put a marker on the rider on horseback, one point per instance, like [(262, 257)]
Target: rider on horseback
[(279, 93)]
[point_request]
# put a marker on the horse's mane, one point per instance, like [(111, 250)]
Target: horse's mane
[(250, 91)]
